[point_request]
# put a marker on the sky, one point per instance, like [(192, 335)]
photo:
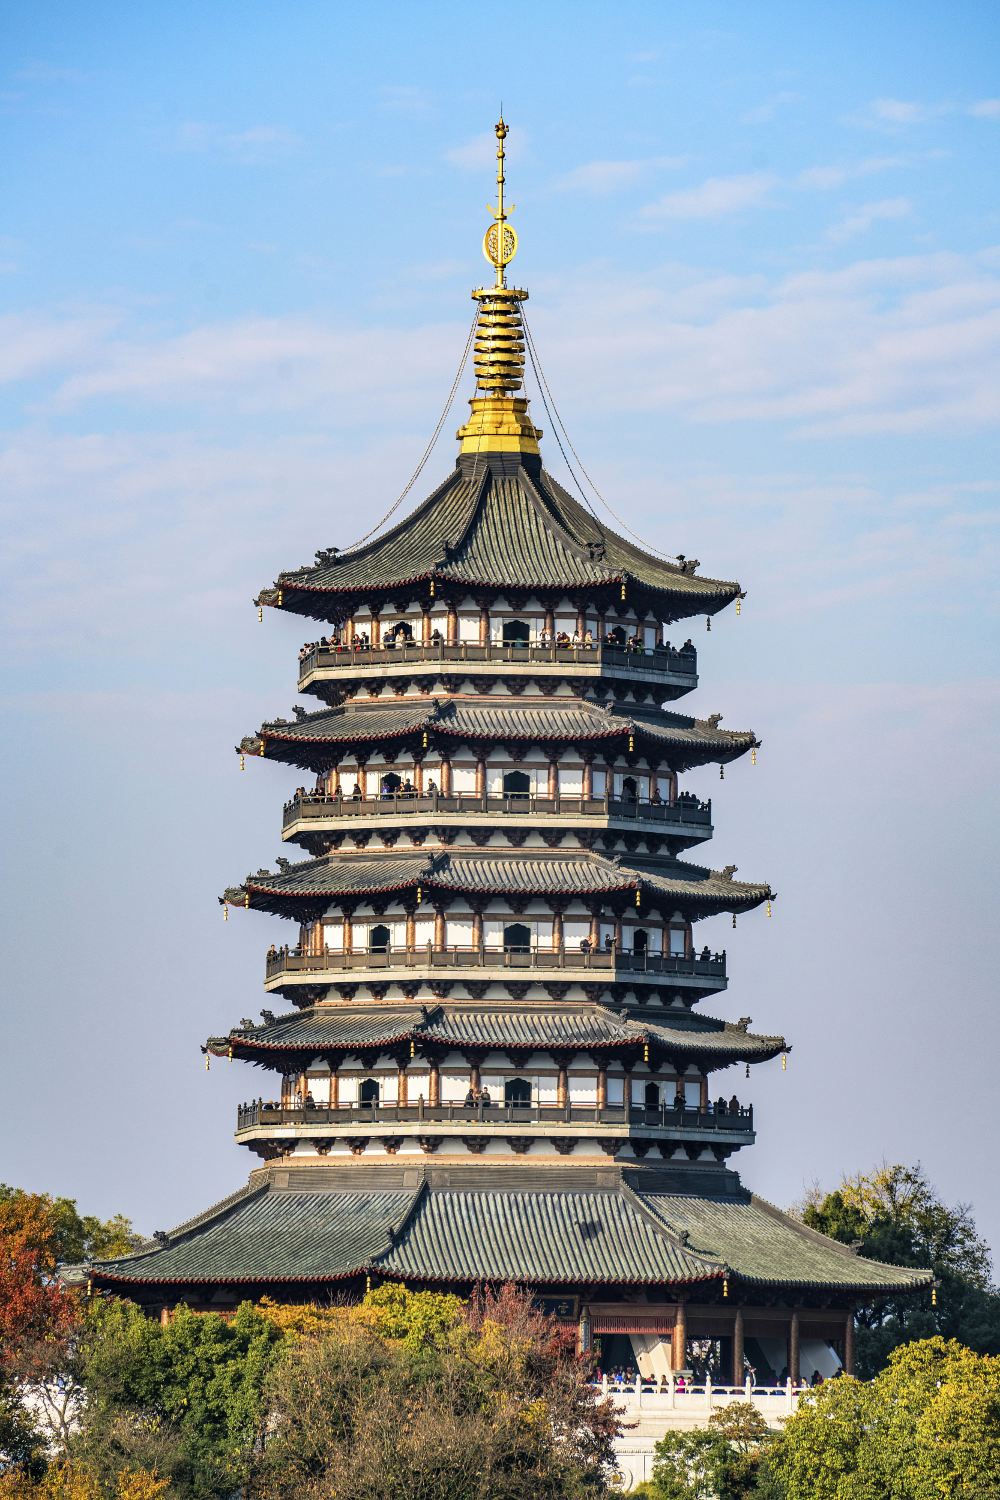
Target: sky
[(237, 243)]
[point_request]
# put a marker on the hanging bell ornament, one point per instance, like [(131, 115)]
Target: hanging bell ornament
[(734, 920), (769, 908), (784, 1062), (708, 622), (739, 605), (225, 911), (748, 1070), (243, 762), (753, 756), (722, 773), (260, 614)]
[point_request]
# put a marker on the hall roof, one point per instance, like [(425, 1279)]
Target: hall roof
[(494, 524), (525, 872), (687, 741), (560, 1235), (568, 1027)]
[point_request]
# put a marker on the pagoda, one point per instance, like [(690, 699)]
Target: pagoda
[(486, 1058)]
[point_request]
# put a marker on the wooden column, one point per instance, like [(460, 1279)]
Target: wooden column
[(557, 930), (618, 933), (793, 1346), (602, 1085), (595, 931), (553, 787), (849, 1342), (376, 636), (477, 929), (480, 778), (550, 624), (473, 1075), (425, 628), (445, 776), (411, 931), (335, 1087), (679, 1352), (418, 777), (439, 927), (581, 623), (738, 1377), (484, 625), (434, 1083), (562, 1084), (588, 779), (348, 932), (703, 1095), (403, 1086), (452, 635)]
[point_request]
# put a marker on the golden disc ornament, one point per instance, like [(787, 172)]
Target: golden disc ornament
[(500, 245)]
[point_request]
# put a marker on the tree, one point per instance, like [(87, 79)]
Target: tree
[(928, 1426), (895, 1215), (73, 1237), (720, 1462), (417, 1394), (184, 1400)]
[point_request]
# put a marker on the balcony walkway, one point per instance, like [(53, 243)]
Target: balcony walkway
[(709, 968), (687, 815), (615, 1116), (666, 664)]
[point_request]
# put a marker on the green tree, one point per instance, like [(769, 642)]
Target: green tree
[(927, 1427), (895, 1215), (184, 1400), (75, 1236), (721, 1462)]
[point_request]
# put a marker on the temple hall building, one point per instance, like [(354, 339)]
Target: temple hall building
[(485, 1054)]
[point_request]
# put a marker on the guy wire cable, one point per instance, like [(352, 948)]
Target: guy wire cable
[(540, 376), (430, 446)]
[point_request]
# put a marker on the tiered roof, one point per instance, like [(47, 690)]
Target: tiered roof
[(587, 1228), (346, 1029), (310, 740), (667, 882), (498, 524)]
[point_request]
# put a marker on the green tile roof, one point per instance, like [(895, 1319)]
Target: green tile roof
[(685, 741), (558, 1235), (524, 872), (485, 527), (764, 1245), (339, 1028)]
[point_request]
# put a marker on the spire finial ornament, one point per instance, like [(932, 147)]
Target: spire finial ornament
[(500, 240), (499, 422)]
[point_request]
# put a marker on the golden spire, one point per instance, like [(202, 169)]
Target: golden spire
[(499, 421)]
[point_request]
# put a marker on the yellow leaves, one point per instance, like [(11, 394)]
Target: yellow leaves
[(65, 1481), (303, 1319)]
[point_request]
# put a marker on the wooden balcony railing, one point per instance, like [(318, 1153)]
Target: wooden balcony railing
[(288, 961), (258, 1112), (687, 811), (664, 660)]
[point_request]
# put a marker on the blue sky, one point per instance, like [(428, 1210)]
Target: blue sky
[(763, 249)]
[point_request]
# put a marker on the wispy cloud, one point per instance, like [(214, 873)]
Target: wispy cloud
[(896, 114), (406, 99), (606, 176), (985, 109), (831, 176), (715, 198), (867, 214), (767, 110), (251, 144)]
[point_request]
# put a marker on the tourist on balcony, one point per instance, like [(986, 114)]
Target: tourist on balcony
[(705, 954), (721, 1107), (484, 1098), (431, 787), (576, 639), (470, 1098), (355, 793), (272, 953), (585, 945), (609, 943), (310, 1101), (407, 789), (544, 637), (734, 1105), (588, 639), (562, 639), (680, 1384), (437, 639), (655, 797), (679, 1100)]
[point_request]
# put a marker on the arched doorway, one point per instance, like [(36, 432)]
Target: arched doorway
[(651, 1096), (368, 1093), (616, 637), (516, 632), (516, 784), (379, 938), (390, 783), (640, 940), (517, 938), (517, 1093), (630, 789)]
